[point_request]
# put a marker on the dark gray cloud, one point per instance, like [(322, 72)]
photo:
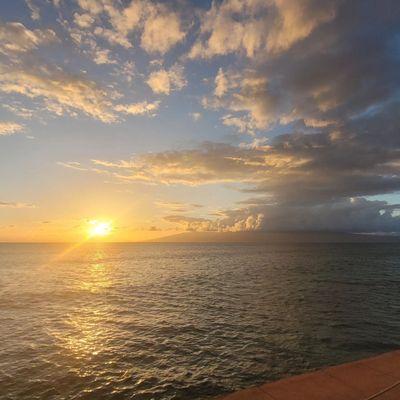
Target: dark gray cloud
[(350, 215), (346, 65)]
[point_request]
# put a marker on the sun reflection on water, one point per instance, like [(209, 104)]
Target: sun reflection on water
[(84, 337), (96, 278), (86, 334)]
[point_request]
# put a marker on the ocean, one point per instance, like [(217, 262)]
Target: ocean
[(187, 321)]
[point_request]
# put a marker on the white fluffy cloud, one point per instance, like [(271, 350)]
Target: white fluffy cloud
[(159, 27), (165, 81), (238, 223), (263, 26), (246, 93), (162, 30), (223, 33)]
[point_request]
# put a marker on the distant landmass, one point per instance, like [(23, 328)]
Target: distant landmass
[(276, 237)]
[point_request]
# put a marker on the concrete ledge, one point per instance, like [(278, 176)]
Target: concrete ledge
[(375, 378)]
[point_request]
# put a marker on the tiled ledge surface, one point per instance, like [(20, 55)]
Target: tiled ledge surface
[(375, 378)]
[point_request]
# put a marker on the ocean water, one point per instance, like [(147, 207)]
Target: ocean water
[(187, 321)]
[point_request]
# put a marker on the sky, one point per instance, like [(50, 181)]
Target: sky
[(171, 116)]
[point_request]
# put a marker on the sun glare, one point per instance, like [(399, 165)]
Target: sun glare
[(99, 228)]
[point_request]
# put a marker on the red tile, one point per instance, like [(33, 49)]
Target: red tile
[(388, 363), (315, 386), (353, 381), (393, 394), (366, 380)]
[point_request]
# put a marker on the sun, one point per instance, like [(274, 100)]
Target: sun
[(99, 228)]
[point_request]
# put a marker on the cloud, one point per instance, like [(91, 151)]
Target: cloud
[(263, 26), (238, 224), (60, 92), (347, 215), (35, 12), (93, 6), (337, 69), (72, 165), (143, 107), (162, 30), (318, 123), (222, 83), (242, 124), (83, 20), (159, 27), (350, 215), (190, 223), (8, 204), (247, 92), (221, 32), (176, 206), (16, 38), (63, 92), (19, 110), (212, 163), (9, 128), (164, 81), (126, 71), (86, 42), (196, 116), (113, 37), (296, 20), (102, 56), (154, 228)]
